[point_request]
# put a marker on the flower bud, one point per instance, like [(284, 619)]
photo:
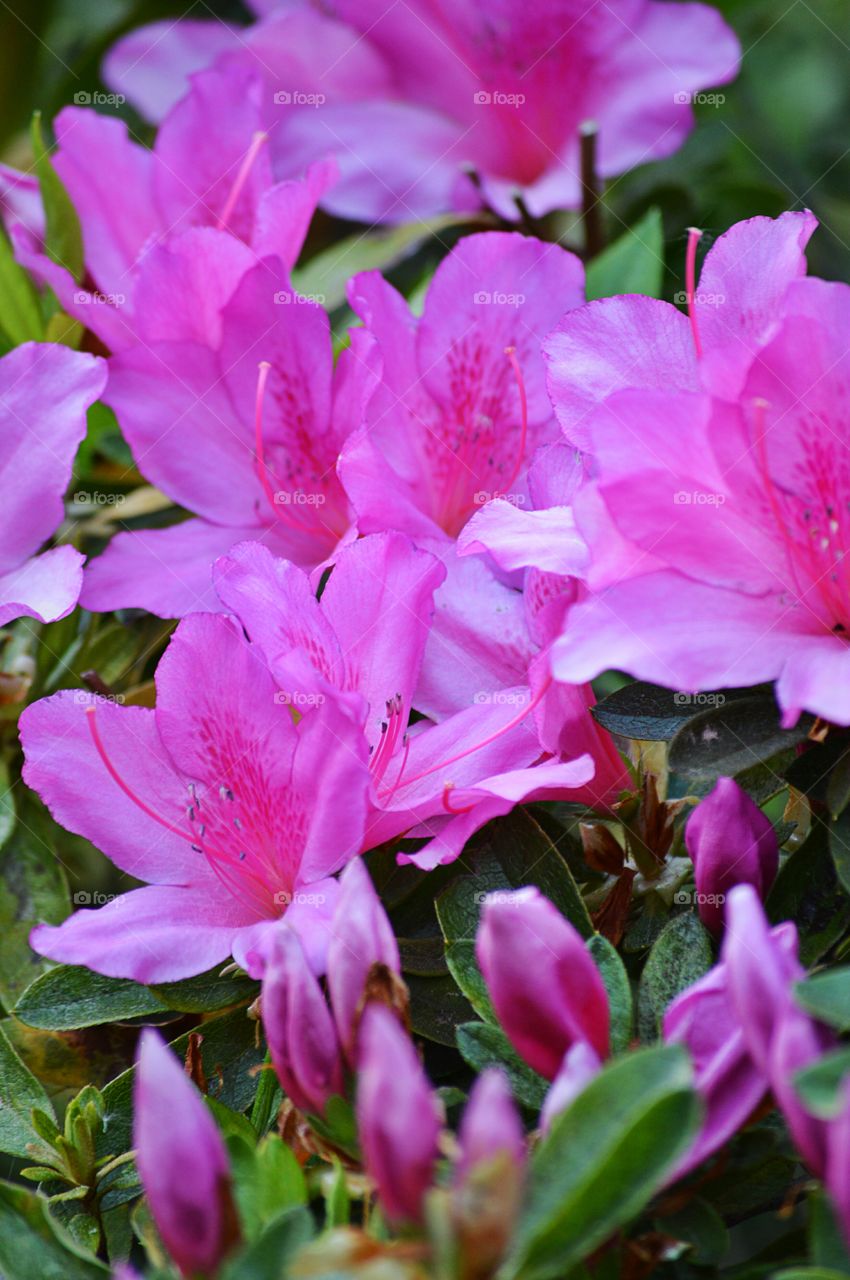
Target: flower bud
[(490, 1126), (581, 1064), (182, 1162), (545, 987), (362, 939), (397, 1115), (299, 1027), (730, 842)]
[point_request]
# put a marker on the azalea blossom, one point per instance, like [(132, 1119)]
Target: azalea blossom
[(416, 99), (365, 640), (239, 417), (234, 815), (203, 203), (45, 390), (730, 842), (461, 402)]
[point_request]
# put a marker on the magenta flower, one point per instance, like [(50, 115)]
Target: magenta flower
[(298, 1026), (398, 1118), (45, 390), (462, 400), (745, 581), (182, 1162), (233, 814), (361, 938), (545, 987), (365, 639), (205, 191), (730, 842), (837, 1174), (490, 1127), (238, 414), (413, 97)]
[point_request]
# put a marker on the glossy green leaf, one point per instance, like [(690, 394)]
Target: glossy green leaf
[(33, 1245), (20, 1091), (679, 957), (604, 1159), (734, 736), (634, 263), (63, 238), (827, 996), (483, 1045), (620, 1001), (20, 314)]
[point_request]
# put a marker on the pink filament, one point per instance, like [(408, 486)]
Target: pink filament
[(259, 448), (241, 178), (510, 352)]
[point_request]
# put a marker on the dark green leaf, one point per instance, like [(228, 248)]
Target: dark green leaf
[(733, 737), (33, 1246), (68, 997), (267, 1257), (807, 891), (483, 1046), (632, 264), (604, 1159), (32, 889), (619, 990), (826, 1240), (644, 712), (681, 955), (819, 1085), (701, 1226), (436, 1007), (19, 1093)]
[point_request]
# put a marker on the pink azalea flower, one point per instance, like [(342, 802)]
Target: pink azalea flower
[(462, 400), (207, 182), (234, 815), (182, 1161), (239, 418), (522, 933), (490, 1127), (741, 506), (365, 639), (581, 1065), (413, 98), (45, 390)]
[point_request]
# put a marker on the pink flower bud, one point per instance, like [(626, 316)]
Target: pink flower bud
[(730, 842), (182, 1162), (545, 987), (299, 1027), (490, 1126), (362, 937), (397, 1115), (581, 1064)]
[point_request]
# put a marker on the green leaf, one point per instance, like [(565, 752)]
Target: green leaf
[(69, 997), (819, 1085), (33, 1243), (735, 736), (644, 712), (20, 314), (207, 993), (701, 1226), (839, 847), (826, 1240), (32, 889), (436, 1007), (337, 1199), (680, 956), (267, 1257), (604, 1159), (63, 238), (619, 990), (827, 996), (807, 891), (482, 1045), (268, 1180), (326, 275), (20, 1092), (632, 264)]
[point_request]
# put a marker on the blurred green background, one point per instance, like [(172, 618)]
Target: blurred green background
[(779, 141)]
